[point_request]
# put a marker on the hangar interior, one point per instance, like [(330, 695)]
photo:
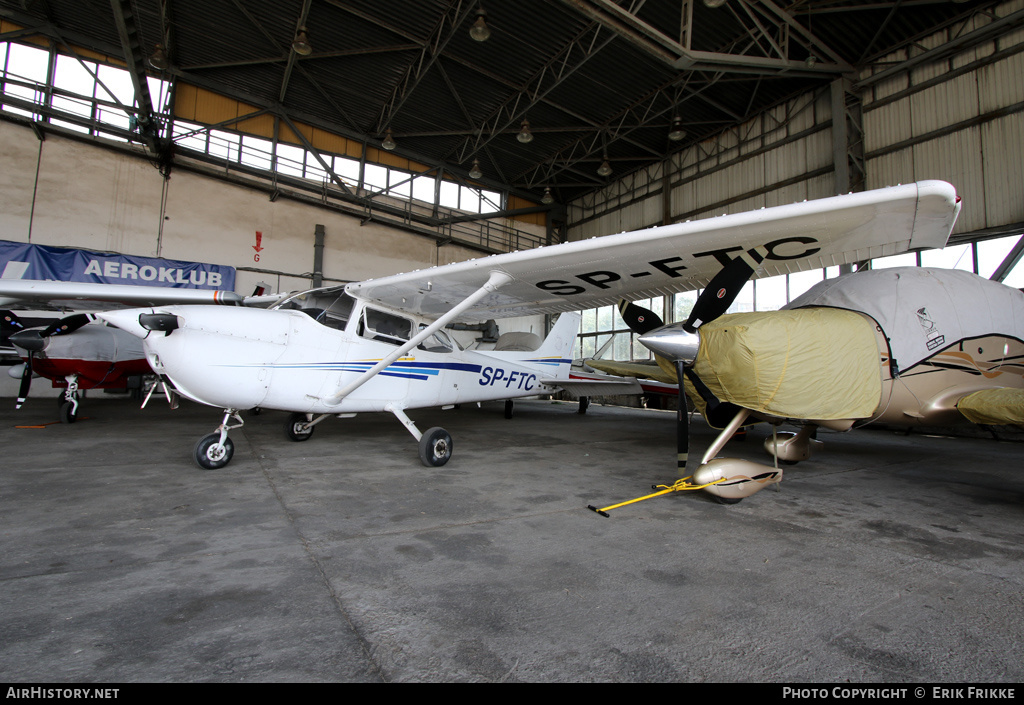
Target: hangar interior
[(419, 133), (309, 142)]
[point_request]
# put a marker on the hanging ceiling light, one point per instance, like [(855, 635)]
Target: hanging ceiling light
[(714, 3), (475, 172), (677, 132), (525, 135), (605, 169), (301, 43), (548, 199), (480, 31), (389, 141), (158, 60)]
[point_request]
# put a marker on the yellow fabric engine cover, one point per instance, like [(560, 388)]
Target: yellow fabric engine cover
[(812, 363), (994, 407)]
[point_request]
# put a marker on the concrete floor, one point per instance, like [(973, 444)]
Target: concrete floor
[(888, 558)]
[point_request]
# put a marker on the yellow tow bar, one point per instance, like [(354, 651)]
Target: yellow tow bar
[(678, 486)]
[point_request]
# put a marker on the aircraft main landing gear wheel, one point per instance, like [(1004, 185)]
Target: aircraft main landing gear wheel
[(435, 447), (210, 454), (510, 407), (296, 428)]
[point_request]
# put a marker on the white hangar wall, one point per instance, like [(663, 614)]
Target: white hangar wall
[(961, 118), (69, 193), (934, 111)]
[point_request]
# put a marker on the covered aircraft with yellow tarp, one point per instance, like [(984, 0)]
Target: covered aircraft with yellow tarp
[(906, 346)]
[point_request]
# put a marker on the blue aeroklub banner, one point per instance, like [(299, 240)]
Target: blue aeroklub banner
[(19, 260)]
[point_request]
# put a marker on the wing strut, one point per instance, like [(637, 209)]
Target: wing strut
[(496, 280)]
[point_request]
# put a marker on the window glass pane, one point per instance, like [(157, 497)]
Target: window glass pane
[(118, 82), (588, 323), (449, 194), (682, 305), (745, 301), (190, 136), (587, 346), (114, 118), (256, 152), (313, 169), (290, 159), (159, 93), (621, 347), (386, 327), (991, 254), (957, 257), (907, 259), (71, 75), (423, 188), (400, 184), (375, 177), (347, 169), (1015, 278), (74, 106), (70, 126), (28, 63), (469, 200), (490, 201), (604, 318), (224, 144), (771, 293), (639, 352), (800, 282)]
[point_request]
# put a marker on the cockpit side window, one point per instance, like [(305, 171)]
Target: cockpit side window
[(439, 342), (386, 327)]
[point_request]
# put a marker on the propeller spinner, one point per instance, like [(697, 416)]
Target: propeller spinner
[(679, 342)]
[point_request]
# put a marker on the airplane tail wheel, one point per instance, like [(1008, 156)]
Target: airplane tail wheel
[(435, 447), (209, 454), (68, 412), (296, 428)]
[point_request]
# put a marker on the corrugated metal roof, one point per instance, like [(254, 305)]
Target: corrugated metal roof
[(594, 78)]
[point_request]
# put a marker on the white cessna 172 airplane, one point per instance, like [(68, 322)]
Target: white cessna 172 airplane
[(380, 345)]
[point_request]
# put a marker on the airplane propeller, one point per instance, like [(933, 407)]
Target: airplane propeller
[(680, 346), (34, 340)]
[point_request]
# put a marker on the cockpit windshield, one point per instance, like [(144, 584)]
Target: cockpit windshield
[(331, 307)]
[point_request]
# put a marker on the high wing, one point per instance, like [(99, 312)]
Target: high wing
[(680, 257), (79, 295)]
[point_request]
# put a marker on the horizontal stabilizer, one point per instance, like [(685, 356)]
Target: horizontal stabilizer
[(577, 388), (994, 407)]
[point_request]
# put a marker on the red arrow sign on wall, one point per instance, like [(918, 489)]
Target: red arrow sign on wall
[(259, 240)]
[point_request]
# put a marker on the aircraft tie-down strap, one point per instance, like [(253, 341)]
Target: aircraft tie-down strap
[(495, 281)]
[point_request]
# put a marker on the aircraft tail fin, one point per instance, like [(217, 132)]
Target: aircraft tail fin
[(556, 350), (561, 339)]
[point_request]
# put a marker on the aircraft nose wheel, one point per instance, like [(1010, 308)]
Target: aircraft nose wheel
[(211, 454), (435, 447)]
